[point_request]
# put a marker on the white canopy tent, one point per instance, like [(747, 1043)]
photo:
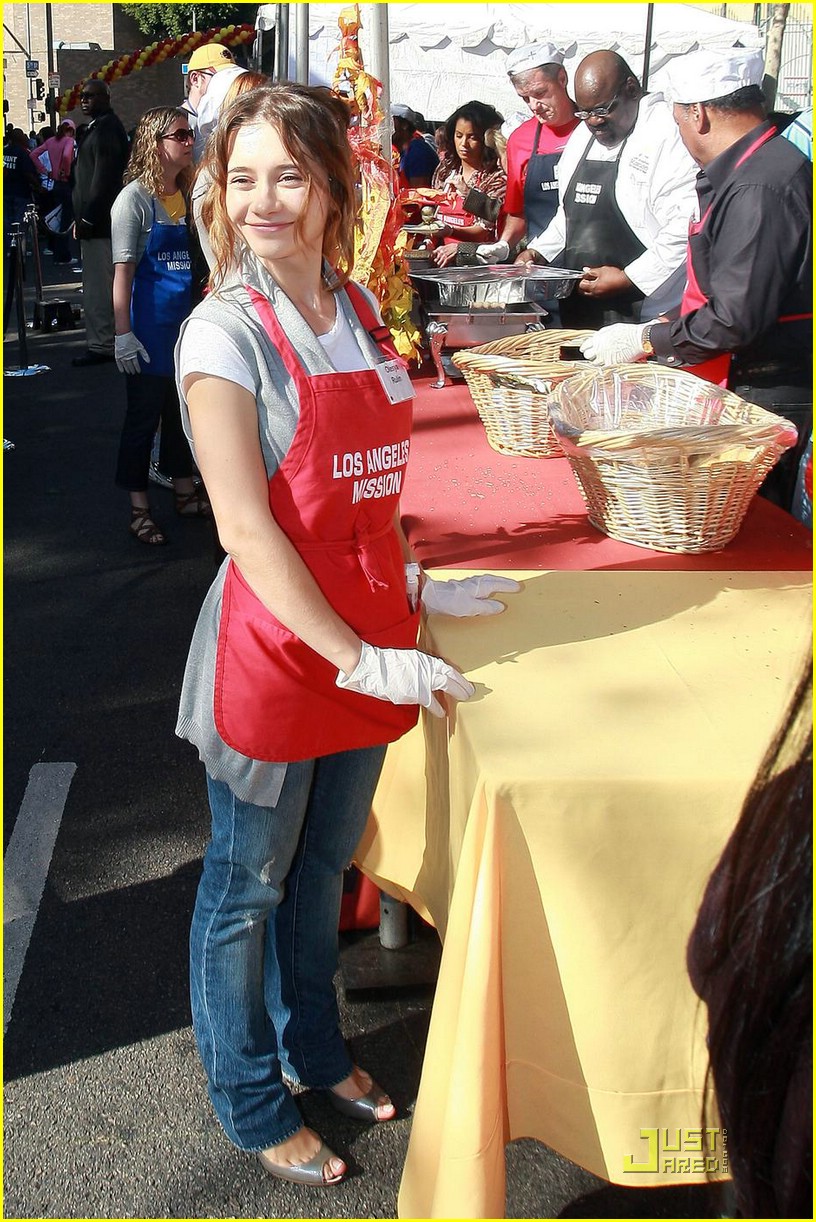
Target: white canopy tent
[(442, 55)]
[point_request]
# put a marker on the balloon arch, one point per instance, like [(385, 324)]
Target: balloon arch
[(156, 53)]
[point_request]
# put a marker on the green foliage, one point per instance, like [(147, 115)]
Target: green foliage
[(174, 20)]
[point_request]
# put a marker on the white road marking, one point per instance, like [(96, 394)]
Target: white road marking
[(25, 867)]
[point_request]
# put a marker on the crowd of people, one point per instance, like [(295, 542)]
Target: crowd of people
[(216, 248)]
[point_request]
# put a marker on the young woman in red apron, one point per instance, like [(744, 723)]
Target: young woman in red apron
[(315, 665)]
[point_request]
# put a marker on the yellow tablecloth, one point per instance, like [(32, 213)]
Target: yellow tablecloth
[(559, 831)]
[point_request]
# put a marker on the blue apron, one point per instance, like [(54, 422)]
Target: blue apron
[(162, 294), (540, 189)]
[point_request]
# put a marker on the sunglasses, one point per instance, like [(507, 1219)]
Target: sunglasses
[(600, 112), (86, 95), (183, 136)]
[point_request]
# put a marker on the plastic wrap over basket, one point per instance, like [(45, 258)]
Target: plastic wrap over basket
[(665, 460)]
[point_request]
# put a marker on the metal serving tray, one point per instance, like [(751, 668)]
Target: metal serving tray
[(496, 284)]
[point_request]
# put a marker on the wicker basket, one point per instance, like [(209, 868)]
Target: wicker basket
[(515, 417), (665, 460)]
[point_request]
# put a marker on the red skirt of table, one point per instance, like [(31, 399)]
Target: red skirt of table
[(464, 505)]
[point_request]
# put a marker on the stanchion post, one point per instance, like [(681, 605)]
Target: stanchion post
[(10, 264), (18, 292), (31, 217)]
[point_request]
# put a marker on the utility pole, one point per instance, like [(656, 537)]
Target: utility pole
[(51, 102), (30, 80)]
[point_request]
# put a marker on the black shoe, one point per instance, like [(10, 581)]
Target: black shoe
[(92, 358)]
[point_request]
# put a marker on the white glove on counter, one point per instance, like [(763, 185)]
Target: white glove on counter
[(467, 595), (405, 676), (127, 350), (616, 345), (493, 252)]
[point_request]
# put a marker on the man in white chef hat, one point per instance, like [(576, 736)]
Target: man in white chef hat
[(746, 316), (533, 149)]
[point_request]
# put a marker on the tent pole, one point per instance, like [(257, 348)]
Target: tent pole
[(647, 50), (380, 67), (281, 43), (302, 44)]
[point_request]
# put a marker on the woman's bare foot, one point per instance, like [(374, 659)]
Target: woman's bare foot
[(299, 1149), (357, 1085)]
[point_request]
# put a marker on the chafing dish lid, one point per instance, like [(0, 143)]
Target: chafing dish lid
[(492, 273)]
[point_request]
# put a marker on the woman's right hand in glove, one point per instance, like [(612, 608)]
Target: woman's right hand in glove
[(405, 676), (127, 350)]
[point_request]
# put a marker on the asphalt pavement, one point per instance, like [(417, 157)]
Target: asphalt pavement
[(105, 1108)]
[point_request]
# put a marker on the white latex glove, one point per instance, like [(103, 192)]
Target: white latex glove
[(127, 351), (405, 676), (616, 345), (467, 595), (493, 252)]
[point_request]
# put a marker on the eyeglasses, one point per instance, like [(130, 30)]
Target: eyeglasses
[(183, 136), (600, 112)]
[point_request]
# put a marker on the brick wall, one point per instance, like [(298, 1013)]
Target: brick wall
[(159, 85), (104, 24)]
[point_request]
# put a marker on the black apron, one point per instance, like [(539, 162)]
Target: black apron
[(598, 235), (540, 189)]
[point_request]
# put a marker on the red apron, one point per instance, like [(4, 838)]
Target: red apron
[(334, 496), (717, 368), (452, 212)]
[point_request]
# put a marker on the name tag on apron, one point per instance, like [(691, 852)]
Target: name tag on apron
[(395, 381)]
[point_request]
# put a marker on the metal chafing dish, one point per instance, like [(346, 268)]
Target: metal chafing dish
[(480, 304)]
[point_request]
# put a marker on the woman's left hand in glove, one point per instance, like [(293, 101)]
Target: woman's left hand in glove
[(466, 596)]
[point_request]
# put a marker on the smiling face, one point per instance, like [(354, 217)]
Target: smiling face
[(277, 208)]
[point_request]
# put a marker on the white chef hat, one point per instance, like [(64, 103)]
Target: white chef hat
[(536, 55), (703, 75)]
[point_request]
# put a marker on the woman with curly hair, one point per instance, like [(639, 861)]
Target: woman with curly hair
[(474, 167), (151, 298)]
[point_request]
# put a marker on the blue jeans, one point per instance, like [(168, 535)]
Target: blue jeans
[(263, 943)]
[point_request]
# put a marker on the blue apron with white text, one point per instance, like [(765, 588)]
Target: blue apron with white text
[(162, 294)]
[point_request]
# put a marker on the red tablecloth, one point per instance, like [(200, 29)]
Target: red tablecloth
[(466, 506)]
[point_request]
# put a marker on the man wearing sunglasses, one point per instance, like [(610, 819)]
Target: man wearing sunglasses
[(100, 164), (626, 192)]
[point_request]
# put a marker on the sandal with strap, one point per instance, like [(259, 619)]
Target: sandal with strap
[(144, 529), (193, 504)]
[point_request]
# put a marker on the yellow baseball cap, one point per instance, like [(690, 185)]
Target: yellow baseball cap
[(213, 55)]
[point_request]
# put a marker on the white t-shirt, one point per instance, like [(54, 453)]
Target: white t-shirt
[(209, 350)]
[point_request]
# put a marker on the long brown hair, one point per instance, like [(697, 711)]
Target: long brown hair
[(312, 123)]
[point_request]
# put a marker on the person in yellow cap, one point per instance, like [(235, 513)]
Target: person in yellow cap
[(204, 63)]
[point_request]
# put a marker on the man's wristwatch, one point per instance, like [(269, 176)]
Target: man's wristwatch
[(645, 343)]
